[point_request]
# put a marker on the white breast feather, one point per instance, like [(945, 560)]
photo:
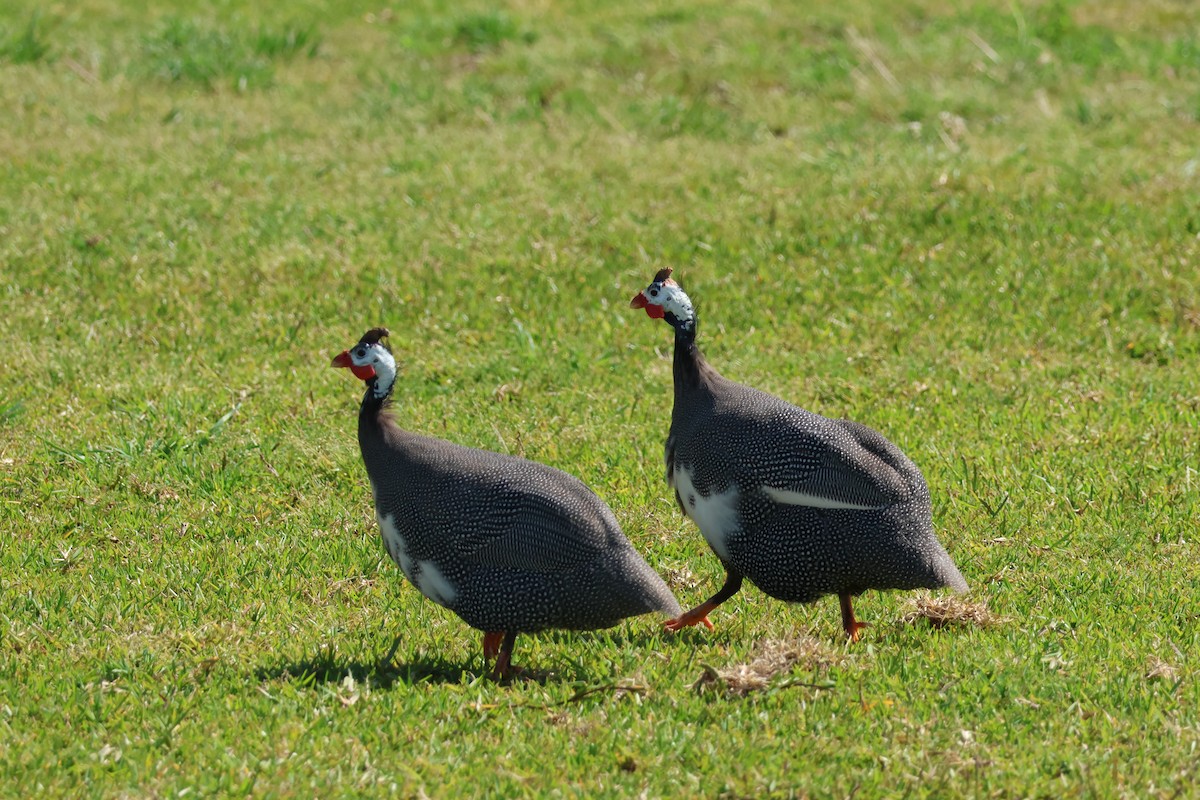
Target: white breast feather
[(716, 515), (424, 575), (396, 546), (792, 498), (433, 584)]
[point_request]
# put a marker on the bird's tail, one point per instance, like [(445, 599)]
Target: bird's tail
[(949, 575), (650, 588)]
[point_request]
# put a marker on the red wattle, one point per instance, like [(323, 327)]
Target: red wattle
[(641, 301), (343, 360)]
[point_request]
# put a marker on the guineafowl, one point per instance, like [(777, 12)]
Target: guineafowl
[(509, 545), (802, 505)]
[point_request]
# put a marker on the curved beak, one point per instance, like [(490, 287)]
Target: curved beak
[(342, 359), (639, 300)]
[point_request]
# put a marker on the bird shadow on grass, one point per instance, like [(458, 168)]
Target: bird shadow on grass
[(329, 668), (383, 673)]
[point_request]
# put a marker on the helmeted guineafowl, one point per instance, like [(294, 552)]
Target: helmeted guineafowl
[(509, 545), (801, 505)]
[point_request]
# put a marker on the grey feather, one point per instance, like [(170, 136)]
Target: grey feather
[(749, 437), (507, 544), (800, 504)]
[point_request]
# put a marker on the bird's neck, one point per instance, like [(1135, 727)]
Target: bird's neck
[(379, 392), (385, 377), (372, 414), (692, 372)]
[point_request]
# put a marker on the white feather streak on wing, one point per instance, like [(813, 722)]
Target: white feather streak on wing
[(434, 584), (793, 498), (396, 546), (424, 575), (716, 515)]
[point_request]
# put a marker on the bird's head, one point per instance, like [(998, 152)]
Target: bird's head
[(370, 360), (664, 299)]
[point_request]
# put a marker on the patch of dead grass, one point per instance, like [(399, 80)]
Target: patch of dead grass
[(943, 611), (1159, 670), (772, 658), (1160, 16)]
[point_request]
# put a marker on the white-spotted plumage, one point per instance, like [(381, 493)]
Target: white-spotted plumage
[(396, 547), (820, 506), (508, 545), (425, 574), (789, 497)]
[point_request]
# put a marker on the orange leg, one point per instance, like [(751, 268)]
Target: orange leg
[(699, 614), (491, 644), (849, 623), (504, 667)]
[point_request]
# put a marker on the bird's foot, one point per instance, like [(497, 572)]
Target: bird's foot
[(854, 627), (505, 670), (697, 616)]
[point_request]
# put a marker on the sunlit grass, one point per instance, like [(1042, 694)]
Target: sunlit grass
[(972, 226)]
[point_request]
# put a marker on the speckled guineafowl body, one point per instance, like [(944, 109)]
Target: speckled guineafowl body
[(820, 506), (505, 543), (508, 545), (801, 505)]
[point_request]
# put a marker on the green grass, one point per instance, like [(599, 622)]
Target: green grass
[(972, 225), (23, 43), (181, 50)]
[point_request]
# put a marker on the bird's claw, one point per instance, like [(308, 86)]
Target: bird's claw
[(508, 673), (687, 621)]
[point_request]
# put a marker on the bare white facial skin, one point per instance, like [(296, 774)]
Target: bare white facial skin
[(673, 301), (378, 358)]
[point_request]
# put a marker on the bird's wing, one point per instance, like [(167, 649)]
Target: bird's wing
[(536, 528), (800, 458)]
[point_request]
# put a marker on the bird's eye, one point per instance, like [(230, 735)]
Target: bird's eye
[(361, 352), (654, 292)]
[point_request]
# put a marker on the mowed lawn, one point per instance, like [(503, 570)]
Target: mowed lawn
[(973, 225)]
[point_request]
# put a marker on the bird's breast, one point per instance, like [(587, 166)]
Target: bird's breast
[(715, 513), (421, 573)]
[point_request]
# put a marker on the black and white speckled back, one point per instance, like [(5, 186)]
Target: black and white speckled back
[(800, 504), (507, 544)]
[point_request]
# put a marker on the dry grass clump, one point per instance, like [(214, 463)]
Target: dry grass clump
[(1159, 670), (943, 611), (773, 657)]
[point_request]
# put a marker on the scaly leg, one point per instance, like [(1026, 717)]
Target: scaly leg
[(699, 614), (491, 644), (504, 667), (849, 623)]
